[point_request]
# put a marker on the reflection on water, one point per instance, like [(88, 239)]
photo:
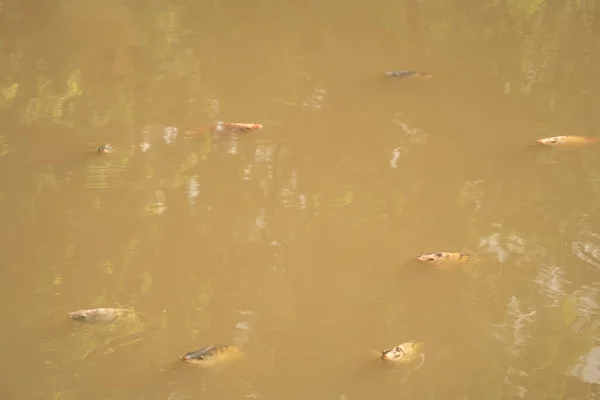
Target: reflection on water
[(588, 367), (316, 100), (503, 245), (551, 279), (513, 332), (587, 248), (100, 176)]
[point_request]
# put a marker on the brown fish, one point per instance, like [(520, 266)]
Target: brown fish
[(214, 355), (402, 353), (411, 74), (567, 140), (230, 127), (98, 314)]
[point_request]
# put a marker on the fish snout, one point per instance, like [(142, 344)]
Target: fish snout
[(189, 358), (76, 315)]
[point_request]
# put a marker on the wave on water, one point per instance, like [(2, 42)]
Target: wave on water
[(587, 247)]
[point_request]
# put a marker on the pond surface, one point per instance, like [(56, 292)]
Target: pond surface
[(297, 241)]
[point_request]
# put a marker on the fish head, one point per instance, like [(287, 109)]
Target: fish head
[(402, 352), (97, 314), (429, 257), (81, 315), (392, 354), (201, 355), (105, 149), (250, 127), (213, 355), (551, 140), (190, 357)]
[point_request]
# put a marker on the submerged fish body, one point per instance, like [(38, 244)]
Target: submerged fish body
[(445, 258), (403, 353), (98, 314), (407, 74), (229, 127), (214, 355), (560, 141)]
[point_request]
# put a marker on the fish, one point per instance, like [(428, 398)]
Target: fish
[(445, 257), (222, 127), (105, 149), (402, 353), (567, 140), (406, 74), (94, 315), (214, 355)]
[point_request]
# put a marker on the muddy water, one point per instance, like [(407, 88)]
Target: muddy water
[(294, 241)]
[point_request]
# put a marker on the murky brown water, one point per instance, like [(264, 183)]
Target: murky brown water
[(293, 241)]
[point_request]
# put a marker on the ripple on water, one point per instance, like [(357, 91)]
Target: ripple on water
[(414, 135), (515, 330), (503, 245), (552, 281), (587, 247), (586, 302)]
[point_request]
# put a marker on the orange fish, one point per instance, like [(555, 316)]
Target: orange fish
[(446, 258), (567, 140), (222, 127)]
